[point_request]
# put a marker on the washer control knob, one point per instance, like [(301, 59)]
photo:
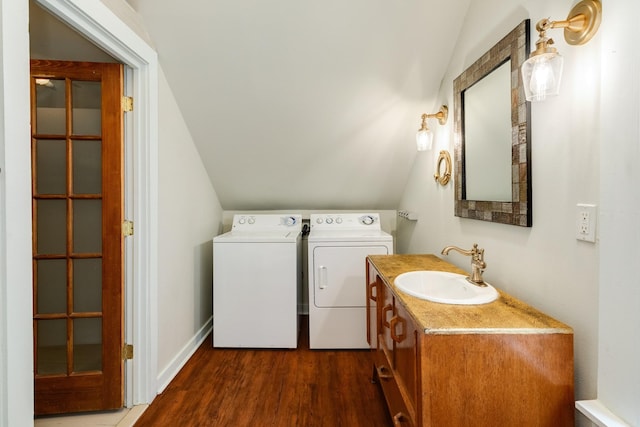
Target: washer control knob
[(289, 221), (319, 220), (338, 220), (241, 220), (329, 220), (367, 220), (252, 220)]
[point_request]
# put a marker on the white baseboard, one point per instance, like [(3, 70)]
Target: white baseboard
[(172, 369), (599, 414)]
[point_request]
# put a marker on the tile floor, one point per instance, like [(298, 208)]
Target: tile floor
[(126, 417)]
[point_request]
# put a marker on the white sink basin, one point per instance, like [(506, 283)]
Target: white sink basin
[(444, 287)]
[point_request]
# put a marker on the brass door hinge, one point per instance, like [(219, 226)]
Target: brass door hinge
[(127, 103), (127, 352), (127, 228)]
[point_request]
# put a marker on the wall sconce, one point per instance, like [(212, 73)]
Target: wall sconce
[(542, 72), (424, 137)]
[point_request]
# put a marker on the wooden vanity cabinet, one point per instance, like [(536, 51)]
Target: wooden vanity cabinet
[(499, 374)]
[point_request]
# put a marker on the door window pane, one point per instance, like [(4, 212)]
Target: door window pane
[(50, 107), (87, 348), (87, 167), (87, 226), (51, 167), (86, 113), (52, 347), (52, 286), (52, 226), (87, 285)]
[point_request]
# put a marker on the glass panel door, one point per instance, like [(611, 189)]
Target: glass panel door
[(67, 204), (78, 250)]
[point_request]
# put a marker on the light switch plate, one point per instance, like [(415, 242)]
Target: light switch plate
[(586, 221)]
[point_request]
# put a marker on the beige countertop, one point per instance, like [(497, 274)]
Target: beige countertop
[(506, 315)]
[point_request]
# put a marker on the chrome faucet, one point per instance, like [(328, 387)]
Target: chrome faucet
[(477, 262)]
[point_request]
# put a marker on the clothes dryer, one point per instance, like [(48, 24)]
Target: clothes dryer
[(338, 245), (256, 277)]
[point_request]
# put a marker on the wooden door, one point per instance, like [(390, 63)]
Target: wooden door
[(77, 187)]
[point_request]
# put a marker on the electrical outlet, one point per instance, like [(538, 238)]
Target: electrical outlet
[(586, 219)]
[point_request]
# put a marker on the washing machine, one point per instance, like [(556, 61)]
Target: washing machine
[(338, 245), (256, 277)]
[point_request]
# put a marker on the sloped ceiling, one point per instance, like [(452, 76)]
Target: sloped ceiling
[(306, 105)]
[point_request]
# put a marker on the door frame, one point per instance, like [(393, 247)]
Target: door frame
[(16, 302), (98, 23)]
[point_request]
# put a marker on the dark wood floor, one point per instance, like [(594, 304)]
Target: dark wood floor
[(302, 388)]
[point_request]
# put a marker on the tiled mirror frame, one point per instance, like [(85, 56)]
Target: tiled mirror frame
[(515, 45)]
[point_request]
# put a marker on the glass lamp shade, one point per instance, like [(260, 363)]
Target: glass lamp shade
[(541, 75), (424, 139)]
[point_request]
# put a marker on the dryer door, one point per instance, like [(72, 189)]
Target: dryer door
[(339, 274)]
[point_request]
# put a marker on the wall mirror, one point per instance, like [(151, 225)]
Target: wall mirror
[(492, 145)]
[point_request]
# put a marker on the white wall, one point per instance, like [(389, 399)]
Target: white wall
[(545, 265), (619, 331), (189, 217), (16, 368)]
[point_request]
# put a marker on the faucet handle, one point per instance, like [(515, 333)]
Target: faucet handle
[(478, 253)]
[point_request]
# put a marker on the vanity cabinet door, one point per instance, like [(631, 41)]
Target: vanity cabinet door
[(387, 311), (373, 284), (406, 355)]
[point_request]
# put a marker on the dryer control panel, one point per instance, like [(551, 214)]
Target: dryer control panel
[(345, 221)]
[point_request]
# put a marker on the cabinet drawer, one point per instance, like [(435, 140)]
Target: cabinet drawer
[(395, 403)]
